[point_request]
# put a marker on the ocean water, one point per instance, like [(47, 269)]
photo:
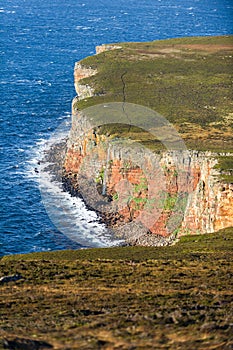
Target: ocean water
[(40, 42)]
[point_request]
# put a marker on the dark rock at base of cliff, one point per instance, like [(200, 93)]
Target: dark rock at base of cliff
[(133, 233), (54, 159)]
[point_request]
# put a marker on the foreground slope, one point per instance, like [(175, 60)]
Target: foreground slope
[(177, 297)]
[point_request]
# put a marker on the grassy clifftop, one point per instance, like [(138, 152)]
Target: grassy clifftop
[(177, 297), (188, 81)]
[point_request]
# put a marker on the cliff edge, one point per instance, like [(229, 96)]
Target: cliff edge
[(150, 148)]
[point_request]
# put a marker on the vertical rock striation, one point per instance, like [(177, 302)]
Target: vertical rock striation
[(163, 193), (150, 189)]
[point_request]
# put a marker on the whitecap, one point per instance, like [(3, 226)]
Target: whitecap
[(69, 214), (83, 28), (95, 19)]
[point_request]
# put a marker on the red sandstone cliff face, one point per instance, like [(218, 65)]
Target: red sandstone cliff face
[(162, 193), (150, 189)]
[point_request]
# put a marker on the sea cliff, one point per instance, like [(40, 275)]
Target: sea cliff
[(147, 194), (137, 297)]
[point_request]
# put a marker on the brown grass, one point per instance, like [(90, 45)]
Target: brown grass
[(178, 297)]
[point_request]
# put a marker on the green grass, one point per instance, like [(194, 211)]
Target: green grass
[(225, 166), (186, 80), (222, 240), (177, 297), (189, 86)]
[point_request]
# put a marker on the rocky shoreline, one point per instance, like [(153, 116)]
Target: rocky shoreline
[(53, 159), (133, 233)]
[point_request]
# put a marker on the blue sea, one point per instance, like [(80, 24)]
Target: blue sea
[(40, 42)]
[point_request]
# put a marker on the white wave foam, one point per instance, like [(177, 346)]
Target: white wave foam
[(69, 214), (83, 28), (95, 19)]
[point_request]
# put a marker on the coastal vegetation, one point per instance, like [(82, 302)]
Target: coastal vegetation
[(177, 297), (135, 297), (186, 80)]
